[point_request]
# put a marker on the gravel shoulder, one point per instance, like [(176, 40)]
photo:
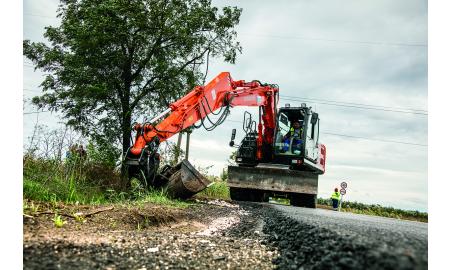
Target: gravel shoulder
[(207, 235)]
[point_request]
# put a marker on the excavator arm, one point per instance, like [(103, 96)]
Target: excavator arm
[(221, 93)]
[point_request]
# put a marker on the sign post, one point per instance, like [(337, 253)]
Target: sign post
[(343, 192)]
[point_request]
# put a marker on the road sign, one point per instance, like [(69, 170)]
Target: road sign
[(343, 185), (343, 191)]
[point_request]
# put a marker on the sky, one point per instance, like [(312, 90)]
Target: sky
[(365, 52)]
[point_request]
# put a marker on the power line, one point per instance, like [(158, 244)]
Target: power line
[(36, 112), (353, 103), (377, 43), (373, 139), (37, 15), (31, 90), (358, 137), (357, 107)]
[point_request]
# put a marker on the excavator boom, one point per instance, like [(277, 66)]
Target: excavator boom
[(217, 97), (220, 93)]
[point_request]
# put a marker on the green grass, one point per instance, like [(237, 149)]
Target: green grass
[(50, 181), (218, 190), (377, 210), (160, 197), (84, 183)]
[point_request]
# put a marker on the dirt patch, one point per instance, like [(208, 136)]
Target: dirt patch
[(144, 237)]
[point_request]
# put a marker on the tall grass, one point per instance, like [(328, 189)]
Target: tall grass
[(86, 183), (69, 182)]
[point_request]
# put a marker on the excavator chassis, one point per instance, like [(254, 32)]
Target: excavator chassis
[(266, 180)]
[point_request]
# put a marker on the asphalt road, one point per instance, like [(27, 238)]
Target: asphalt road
[(324, 239)]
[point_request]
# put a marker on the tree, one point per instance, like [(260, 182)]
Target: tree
[(110, 61)]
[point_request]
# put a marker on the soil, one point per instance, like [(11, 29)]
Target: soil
[(209, 234)]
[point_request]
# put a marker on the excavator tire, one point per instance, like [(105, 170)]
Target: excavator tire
[(245, 194), (303, 200)]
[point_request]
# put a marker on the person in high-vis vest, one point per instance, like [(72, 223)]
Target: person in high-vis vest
[(295, 134), (335, 198)]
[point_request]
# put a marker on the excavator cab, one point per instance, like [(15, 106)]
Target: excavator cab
[(290, 166), (296, 140), (295, 144)]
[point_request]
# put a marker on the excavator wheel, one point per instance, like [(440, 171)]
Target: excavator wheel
[(303, 200), (245, 194)]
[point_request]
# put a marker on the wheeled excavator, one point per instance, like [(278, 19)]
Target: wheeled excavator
[(269, 161)]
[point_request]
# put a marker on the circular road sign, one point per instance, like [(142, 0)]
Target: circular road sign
[(343, 185), (343, 191)]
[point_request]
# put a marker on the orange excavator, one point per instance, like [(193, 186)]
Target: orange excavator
[(278, 156)]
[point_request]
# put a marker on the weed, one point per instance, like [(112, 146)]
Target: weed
[(79, 217), (30, 208), (58, 221)]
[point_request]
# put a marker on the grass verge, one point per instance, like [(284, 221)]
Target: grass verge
[(375, 210), (84, 183), (218, 190)]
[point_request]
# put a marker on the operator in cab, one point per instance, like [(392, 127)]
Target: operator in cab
[(295, 136)]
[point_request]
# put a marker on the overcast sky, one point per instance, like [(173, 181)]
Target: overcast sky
[(366, 52)]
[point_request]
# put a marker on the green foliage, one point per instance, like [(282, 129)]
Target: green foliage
[(377, 210), (104, 153), (70, 182), (110, 61)]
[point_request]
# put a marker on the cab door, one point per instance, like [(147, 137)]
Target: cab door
[(311, 137)]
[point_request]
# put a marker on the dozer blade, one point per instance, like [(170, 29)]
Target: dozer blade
[(184, 180)]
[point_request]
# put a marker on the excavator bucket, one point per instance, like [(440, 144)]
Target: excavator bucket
[(184, 180)]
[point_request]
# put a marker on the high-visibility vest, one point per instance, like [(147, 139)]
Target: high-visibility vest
[(292, 131), (336, 195)]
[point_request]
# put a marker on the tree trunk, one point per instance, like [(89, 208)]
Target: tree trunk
[(126, 124), (126, 136)]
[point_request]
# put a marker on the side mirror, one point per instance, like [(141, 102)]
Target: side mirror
[(233, 136), (314, 118)]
